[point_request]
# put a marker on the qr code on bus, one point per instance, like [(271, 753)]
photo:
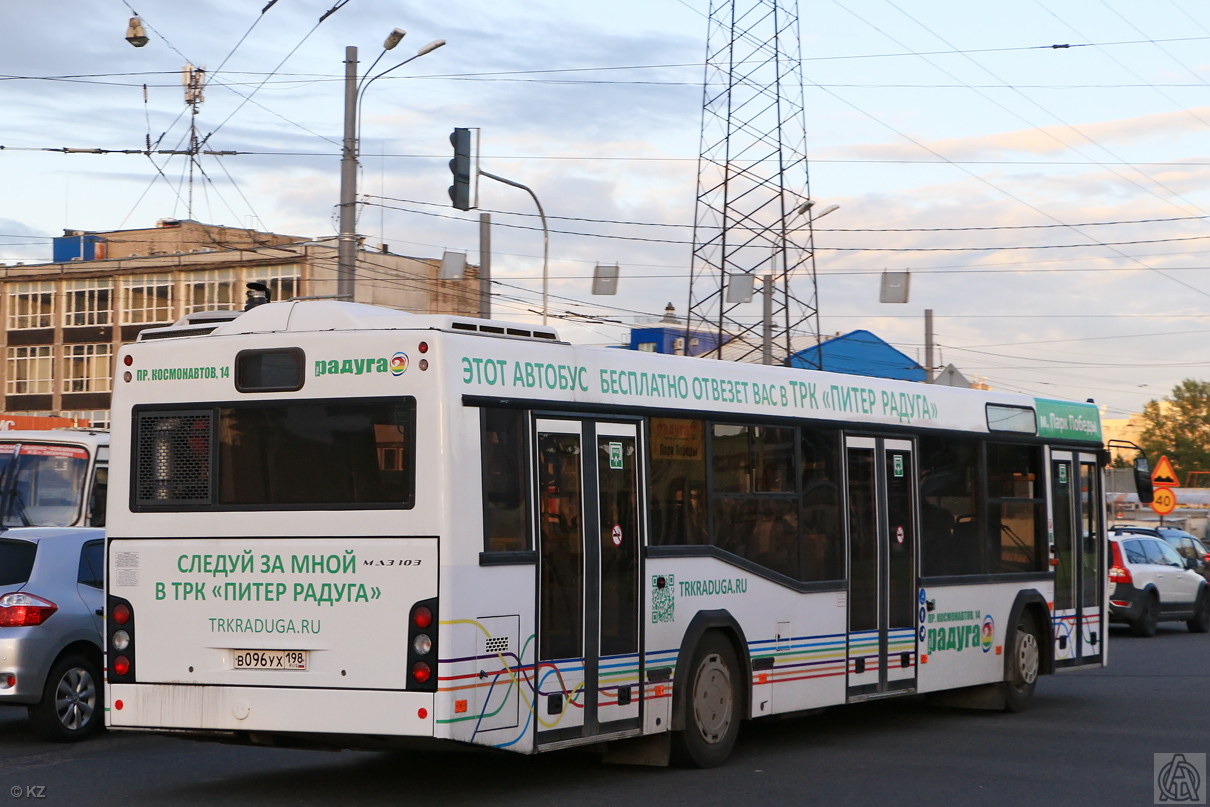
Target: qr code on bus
[(663, 598)]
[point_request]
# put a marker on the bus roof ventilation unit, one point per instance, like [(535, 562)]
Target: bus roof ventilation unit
[(500, 330), (199, 323)]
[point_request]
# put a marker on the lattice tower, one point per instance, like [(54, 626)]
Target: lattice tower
[(752, 184)]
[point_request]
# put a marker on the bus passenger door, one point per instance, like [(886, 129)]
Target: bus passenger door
[(587, 673), (882, 653), (1079, 535)]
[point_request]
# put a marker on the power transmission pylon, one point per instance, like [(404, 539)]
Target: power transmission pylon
[(753, 217)]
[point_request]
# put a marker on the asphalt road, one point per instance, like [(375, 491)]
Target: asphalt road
[(1088, 739)]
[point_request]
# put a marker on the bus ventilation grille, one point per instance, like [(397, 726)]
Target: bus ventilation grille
[(498, 644), (498, 330), (172, 463)]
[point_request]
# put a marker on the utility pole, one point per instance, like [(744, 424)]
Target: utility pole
[(929, 367), (485, 265), (767, 293), (346, 244)]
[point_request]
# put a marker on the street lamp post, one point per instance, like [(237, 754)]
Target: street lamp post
[(346, 245)]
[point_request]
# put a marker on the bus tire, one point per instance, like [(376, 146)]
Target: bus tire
[(71, 705), (712, 705), (1024, 663)]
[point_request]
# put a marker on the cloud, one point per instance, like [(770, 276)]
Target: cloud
[(1042, 141)]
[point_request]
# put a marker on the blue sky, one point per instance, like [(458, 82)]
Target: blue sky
[(943, 122)]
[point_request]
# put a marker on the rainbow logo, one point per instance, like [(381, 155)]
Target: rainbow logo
[(989, 632), (399, 363)]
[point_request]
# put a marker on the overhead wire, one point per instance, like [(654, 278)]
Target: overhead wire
[(1045, 131), (822, 249)]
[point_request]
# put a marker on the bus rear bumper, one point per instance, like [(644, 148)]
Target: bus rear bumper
[(269, 709)]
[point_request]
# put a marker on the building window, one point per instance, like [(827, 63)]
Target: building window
[(647, 347), (211, 290), (30, 370), (88, 302), (31, 305), (87, 368), (283, 281), (96, 418), (148, 299)]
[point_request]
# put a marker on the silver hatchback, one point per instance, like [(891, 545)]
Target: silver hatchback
[(51, 628)]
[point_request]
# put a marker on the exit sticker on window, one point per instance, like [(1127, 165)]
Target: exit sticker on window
[(615, 456), (898, 466)]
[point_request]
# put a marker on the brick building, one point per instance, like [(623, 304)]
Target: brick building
[(64, 321)]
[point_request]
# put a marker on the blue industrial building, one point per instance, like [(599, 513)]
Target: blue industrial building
[(669, 337)]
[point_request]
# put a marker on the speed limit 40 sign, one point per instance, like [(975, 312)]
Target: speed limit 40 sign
[(1164, 501)]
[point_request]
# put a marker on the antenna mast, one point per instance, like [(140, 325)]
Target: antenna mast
[(194, 79)]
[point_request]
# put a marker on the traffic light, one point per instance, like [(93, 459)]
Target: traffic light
[(462, 167)]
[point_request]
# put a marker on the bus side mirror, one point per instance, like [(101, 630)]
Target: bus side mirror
[(1142, 480)]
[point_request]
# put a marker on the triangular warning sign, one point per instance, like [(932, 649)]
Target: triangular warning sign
[(1164, 475)]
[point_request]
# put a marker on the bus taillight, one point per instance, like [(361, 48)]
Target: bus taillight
[(119, 629), (422, 646)]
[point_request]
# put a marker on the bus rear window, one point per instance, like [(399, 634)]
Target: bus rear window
[(317, 454), (278, 370)]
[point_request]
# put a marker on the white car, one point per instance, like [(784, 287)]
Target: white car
[(1152, 583)]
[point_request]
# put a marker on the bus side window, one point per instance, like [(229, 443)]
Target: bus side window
[(96, 500), (678, 482), (505, 475), (822, 533), (1016, 509), (952, 532)]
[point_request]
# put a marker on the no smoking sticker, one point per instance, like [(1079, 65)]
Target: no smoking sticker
[(617, 534)]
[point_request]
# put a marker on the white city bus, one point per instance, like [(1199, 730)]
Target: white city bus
[(347, 525)]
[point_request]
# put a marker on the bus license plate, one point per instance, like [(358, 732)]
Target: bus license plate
[(270, 659)]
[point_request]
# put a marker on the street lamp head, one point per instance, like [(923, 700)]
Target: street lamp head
[(430, 47), (825, 211), (135, 34), (394, 38), (804, 207)]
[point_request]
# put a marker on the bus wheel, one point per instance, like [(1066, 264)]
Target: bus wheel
[(1023, 665), (712, 705)]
